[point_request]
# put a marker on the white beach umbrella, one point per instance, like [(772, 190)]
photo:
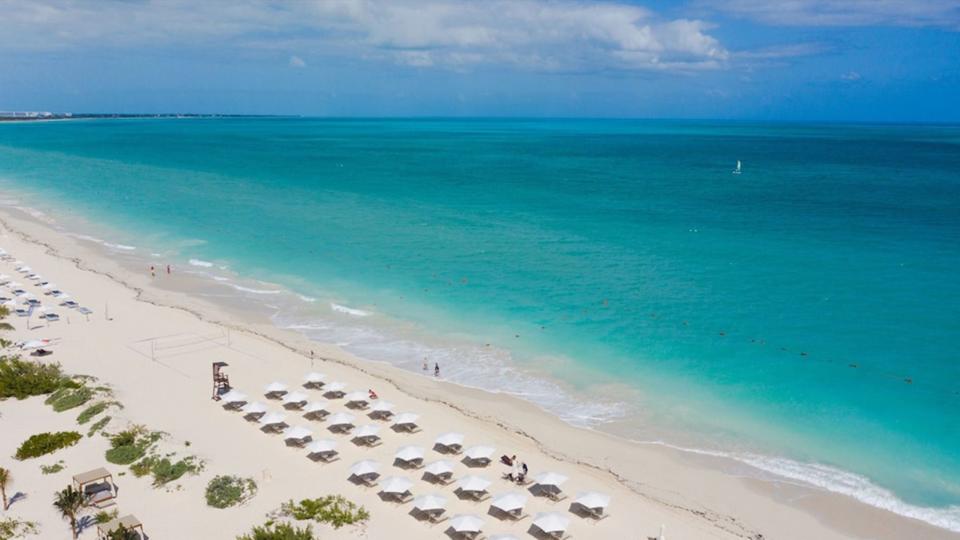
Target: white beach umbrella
[(479, 452), (271, 419), (4, 276), (275, 388), (10, 303), (551, 522), (592, 499), (296, 433), (335, 386), (466, 523), (294, 398), (314, 378), (322, 446), (356, 397), (366, 431), (550, 479), (340, 419), (450, 439), (35, 344), (315, 406), (509, 502), (395, 484), (406, 419), (429, 503), (503, 537), (233, 396), (381, 406), (365, 468), (48, 286), (439, 468), (473, 483), (254, 407), (409, 453)]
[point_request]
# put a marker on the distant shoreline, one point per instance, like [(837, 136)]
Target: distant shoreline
[(89, 116)]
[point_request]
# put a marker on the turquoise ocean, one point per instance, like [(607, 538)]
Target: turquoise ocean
[(802, 317)]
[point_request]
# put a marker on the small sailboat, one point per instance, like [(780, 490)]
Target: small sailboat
[(737, 170)]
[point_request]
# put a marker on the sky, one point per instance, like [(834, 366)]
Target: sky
[(814, 60)]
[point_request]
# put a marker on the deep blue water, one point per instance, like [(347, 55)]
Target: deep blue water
[(737, 306)]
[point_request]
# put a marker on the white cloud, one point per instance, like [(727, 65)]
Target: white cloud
[(943, 13), (527, 34), (297, 62), (851, 76)]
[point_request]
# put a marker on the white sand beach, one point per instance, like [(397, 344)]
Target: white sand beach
[(154, 347)]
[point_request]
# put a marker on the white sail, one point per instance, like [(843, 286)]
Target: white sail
[(737, 170)]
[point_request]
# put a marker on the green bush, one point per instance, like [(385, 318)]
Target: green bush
[(166, 471), (125, 455), (52, 469), (98, 425), (14, 528), (68, 398), (278, 531), (332, 509), (22, 379), (93, 410), (46, 443), (144, 466), (227, 491), (104, 516)]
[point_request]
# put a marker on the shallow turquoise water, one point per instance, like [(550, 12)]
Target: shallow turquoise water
[(736, 304)]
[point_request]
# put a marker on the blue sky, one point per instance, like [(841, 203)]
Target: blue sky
[(872, 60)]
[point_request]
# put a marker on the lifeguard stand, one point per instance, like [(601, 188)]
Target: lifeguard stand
[(221, 383)]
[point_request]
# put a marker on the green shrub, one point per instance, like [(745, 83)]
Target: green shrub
[(144, 466), (52, 469), (165, 471), (14, 528), (332, 509), (127, 437), (278, 531), (98, 425), (226, 491), (22, 379), (125, 455), (93, 410), (68, 398), (104, 516), (46, 443)]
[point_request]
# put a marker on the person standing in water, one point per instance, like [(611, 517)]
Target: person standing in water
[(436, 369), (168, 269), (153, 271)]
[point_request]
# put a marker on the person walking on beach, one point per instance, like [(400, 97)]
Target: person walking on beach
[(168, 269), (153, 271), (436, 369)]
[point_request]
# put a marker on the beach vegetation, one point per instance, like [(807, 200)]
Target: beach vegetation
[(69, 502), (278, 531), (11, 528), (22, 378), (5, 478), (226, 491), (131, 444), (46, 443), (122, 533), (105, 516), (99, 425), (68, 398), (52, 469), (93, 410), (166, 471), (334, 510)]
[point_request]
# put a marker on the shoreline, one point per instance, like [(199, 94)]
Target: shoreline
[(626, 462)]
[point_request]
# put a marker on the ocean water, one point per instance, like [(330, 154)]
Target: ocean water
[(802, 317)]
